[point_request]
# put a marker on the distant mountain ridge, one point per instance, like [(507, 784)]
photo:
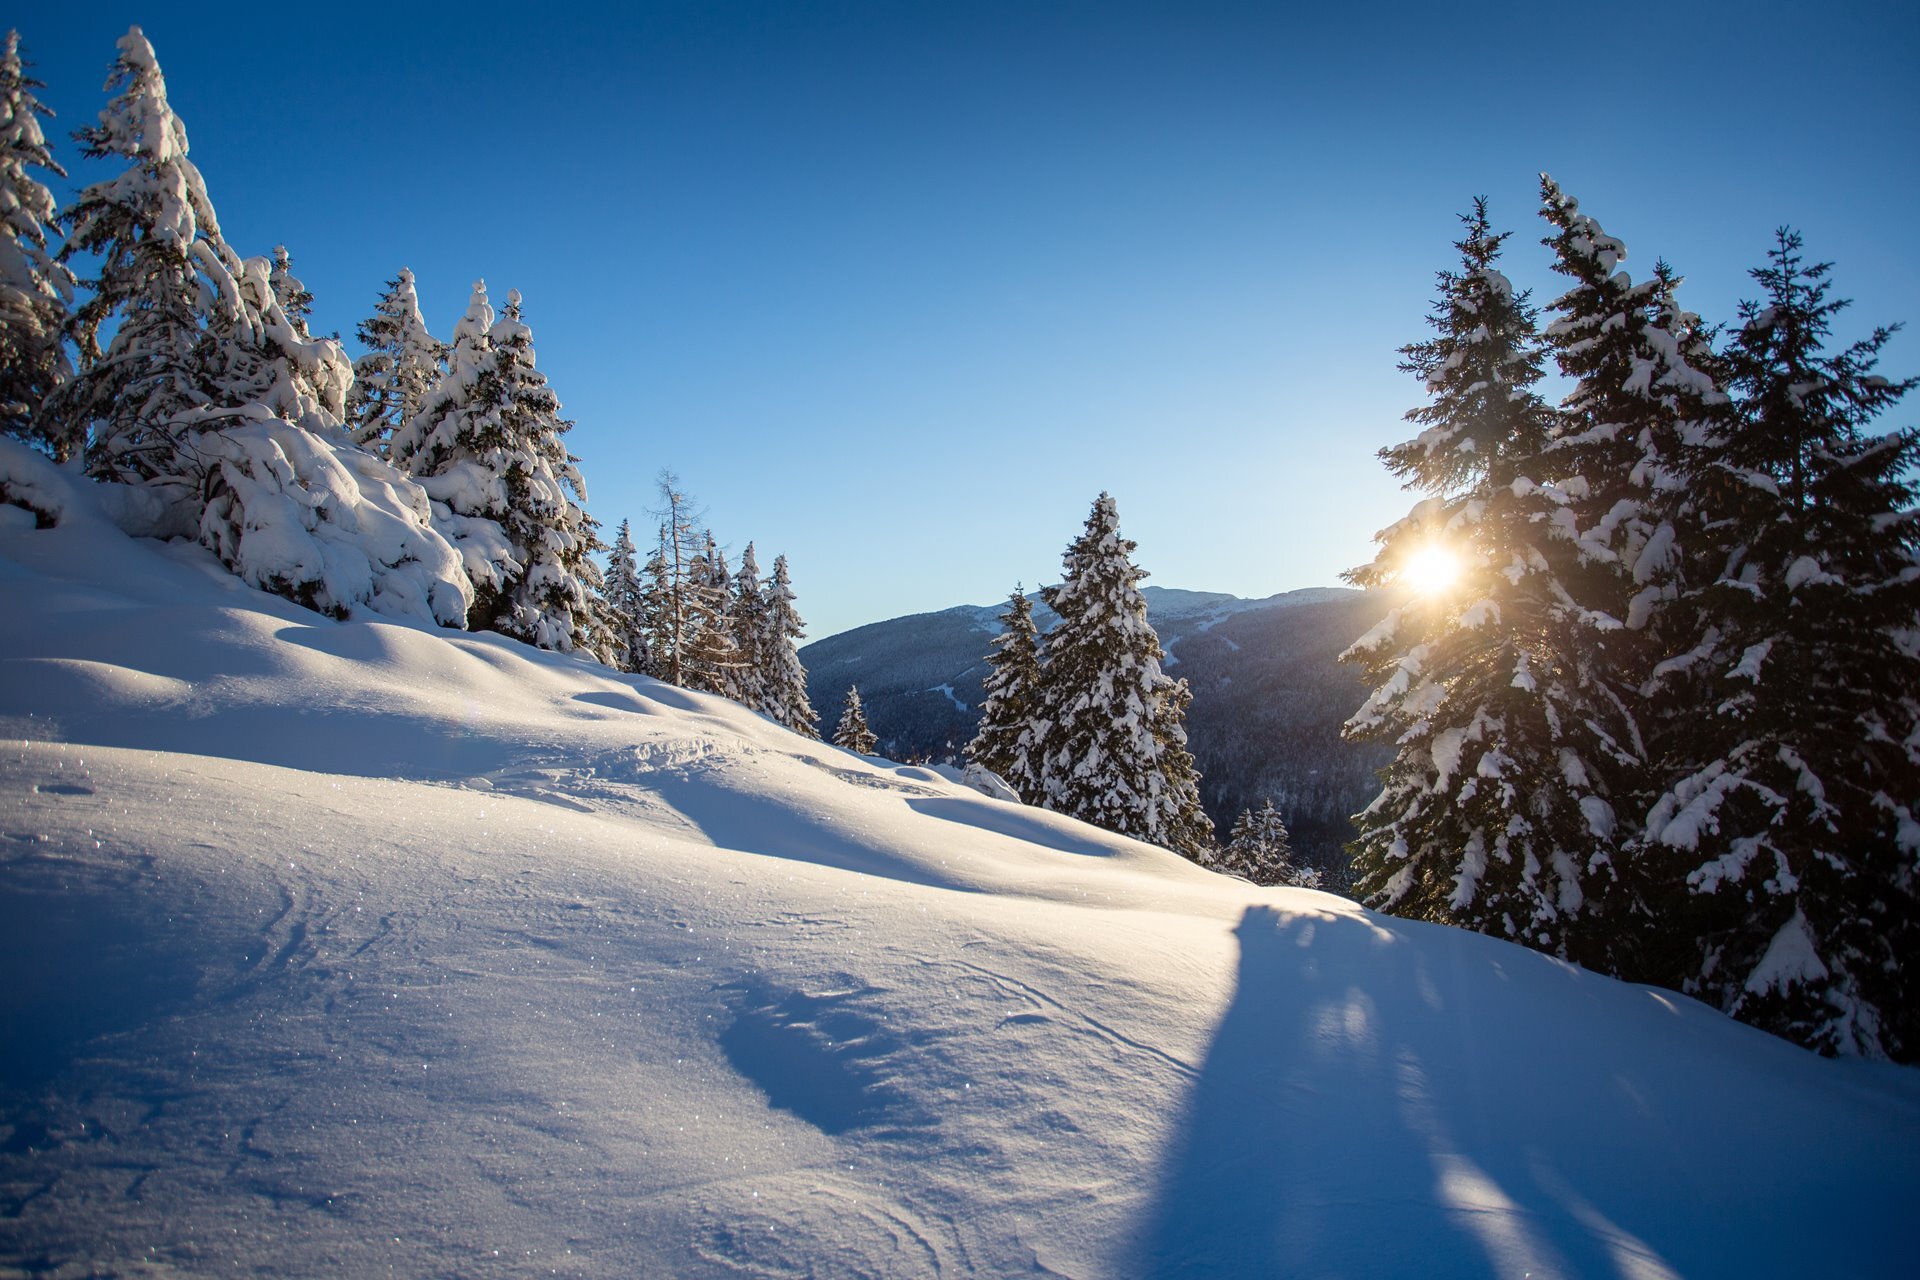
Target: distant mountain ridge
[(1269, 695)]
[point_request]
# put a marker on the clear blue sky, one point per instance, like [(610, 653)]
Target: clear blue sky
[(897, 288)]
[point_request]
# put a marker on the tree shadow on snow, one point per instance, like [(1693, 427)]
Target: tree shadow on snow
[(1391, 1098)]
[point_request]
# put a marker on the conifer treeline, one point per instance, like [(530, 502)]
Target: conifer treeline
[(682, 618), (425, 479), (1667, 724)]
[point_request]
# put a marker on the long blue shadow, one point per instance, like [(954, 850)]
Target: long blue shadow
[(1293, 1138), (1388, 1098)]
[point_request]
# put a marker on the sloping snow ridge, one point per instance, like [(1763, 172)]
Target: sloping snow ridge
[(356, 947)]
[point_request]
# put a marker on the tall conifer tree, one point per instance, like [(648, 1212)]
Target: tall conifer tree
[(1114, 751), (784, 683), (1795, 760), (747, 623), (35, 287), (626, 605), (1006, 742), (152, 229), (1492, 814), (553, 603), (447, 446), (709, 660), (486, 445), (1647, 397)]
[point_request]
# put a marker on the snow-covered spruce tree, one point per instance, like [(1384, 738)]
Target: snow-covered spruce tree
[(555, 605), (747, 624), (486, 447), (152, 230), (217, 400), (659, 629), (255, 351), (35, 288), (1114, 751), (285, 500), (1259, 849), (1495, 813), (709, 659), (1005, 741), (1647, 399), (783, 679), (626, 603), (402, 365), (852, 732), (1794, 810)]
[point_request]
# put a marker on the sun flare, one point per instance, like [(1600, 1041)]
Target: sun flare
[(1431, 570)]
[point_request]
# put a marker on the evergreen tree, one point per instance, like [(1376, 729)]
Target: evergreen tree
[(450, 446), (784, 679), (852, 733), (1493, 814), (281, 496), (554, 603), (214, 395), (402, 365), (1259, 849), (34, 287), (658, 630), (672, 614), (1114, 748), (710, 661), (626, 605), (1647, 399), (152, 229), (747, 625), (486, 446), (1795, 763), (1008, 733), (256, 352)]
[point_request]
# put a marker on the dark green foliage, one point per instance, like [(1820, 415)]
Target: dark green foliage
[(1005, 742), (1492, 812), (34, 286), (1795, 773)]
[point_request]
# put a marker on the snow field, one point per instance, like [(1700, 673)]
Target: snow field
[(347, 947)]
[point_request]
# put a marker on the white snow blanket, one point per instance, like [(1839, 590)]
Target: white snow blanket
[(355, 947)]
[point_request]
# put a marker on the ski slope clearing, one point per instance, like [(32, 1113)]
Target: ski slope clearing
[(354, 947)]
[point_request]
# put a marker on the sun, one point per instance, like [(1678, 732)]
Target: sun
[(1431, 570)]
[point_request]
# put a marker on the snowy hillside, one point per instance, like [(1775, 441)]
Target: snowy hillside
[(334, 948)]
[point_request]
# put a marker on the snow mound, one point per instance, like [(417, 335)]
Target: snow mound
[(342, 947)]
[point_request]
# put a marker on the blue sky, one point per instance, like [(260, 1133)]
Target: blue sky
[(897, 289)]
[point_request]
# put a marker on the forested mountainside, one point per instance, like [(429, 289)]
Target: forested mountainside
[(1269, 696)]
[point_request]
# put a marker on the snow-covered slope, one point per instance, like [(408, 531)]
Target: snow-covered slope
[(355, 947)]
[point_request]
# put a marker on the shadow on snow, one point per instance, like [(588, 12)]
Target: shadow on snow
[(1385, 1097)]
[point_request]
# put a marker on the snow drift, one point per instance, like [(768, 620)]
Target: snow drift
[(353, 946)]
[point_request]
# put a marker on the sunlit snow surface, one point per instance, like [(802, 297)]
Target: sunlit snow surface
[(336, 948)]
